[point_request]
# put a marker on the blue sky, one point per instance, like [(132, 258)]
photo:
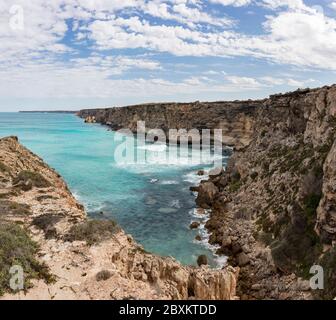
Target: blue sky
[(71, 54)]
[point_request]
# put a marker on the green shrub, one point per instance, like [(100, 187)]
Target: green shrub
[(92, 231), (36, 179), (46, 223), (13, 208), (103, 275), (16, 248), (235, 186)]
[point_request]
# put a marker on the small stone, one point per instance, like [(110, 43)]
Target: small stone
[(194, 225), (200, 173), (246, 249), (198, 238), (256, 287)]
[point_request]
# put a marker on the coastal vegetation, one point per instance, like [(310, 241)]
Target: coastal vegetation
[(17, 248), (93, 231), (31, 179)]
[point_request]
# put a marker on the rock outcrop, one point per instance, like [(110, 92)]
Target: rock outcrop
[(274, 212), (234, 118), (77, 258)]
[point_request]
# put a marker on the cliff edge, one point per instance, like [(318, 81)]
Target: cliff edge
[(64, 255), (274, 210)]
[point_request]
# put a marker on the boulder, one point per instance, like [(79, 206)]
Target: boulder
[(207, 192), (194, 189), (202, 260), (200, 173), (198, 238), (243, 259), (194, 225), (214, 173)]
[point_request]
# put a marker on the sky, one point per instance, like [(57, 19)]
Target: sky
[(73, 54)]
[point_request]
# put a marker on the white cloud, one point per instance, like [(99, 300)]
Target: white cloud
[(244, 82), (332, 5), (235, 3), (37, 62)]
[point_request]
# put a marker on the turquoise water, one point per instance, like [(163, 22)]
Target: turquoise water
[(150, 201)]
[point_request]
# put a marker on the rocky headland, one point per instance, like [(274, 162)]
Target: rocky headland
[(234, 118), (65, 255), (273, 209)]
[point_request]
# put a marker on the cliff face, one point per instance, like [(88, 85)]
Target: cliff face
[(234, 118), (274, 210), (66, 256)]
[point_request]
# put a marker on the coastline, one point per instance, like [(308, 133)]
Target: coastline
[(274, 233), (90, 259)]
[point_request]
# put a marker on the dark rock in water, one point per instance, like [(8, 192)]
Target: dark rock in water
[(194, 189), (200, 173), (195, 225), (198, 238), (202, 260)]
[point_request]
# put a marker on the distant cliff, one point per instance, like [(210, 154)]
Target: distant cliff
[(234, 118)]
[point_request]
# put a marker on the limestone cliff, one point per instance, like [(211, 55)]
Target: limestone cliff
[(275, 206), (234, 118), (66, 256)]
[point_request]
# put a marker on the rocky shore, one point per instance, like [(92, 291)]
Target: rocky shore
[(273, 210), (65, 255)]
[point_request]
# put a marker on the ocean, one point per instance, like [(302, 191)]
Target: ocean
[(151, 200)]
